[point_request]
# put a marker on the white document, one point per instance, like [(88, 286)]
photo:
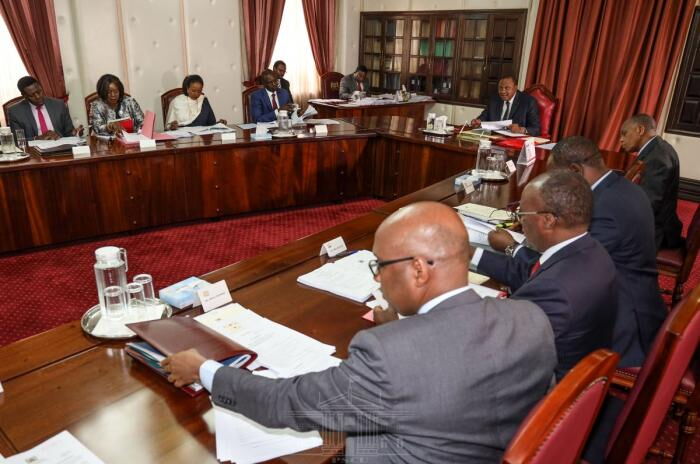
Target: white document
[(250, 125), (179, 133), (63, 448), (483, 292), (420, 98), (242, 440), (326, 100), (496, 125), (129, 137), (508, 133), (476, 278), (207, 130), (547, 146), (478, 230), (214, 295), (348, 277), (483, 213), (48, 145), (327, 122)]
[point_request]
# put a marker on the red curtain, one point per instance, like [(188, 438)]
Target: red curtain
[(320, 24), (32, 25), (261, 23), (607, 60)]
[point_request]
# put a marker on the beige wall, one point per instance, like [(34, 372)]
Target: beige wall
[(151, 45)]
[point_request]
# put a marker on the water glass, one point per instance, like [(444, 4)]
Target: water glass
[(7, 141), (146, 282), (134, 293), (495, 163), (115, 307), (21, 139)]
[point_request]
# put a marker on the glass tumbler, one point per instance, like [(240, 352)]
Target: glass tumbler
[(115, 307), (21, 139), (134, 293), (146, 282)]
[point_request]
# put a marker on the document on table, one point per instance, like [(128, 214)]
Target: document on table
[(508, 133), (348, 277), (420, 98), (55, 145), (281, 349), (242, 440), (496, 125), (130, 138), (63, 448), (483, 292), (476, 278), (327, 100), (483, 213), (179, 133), (218, 128), (478, 230), (327, 122)]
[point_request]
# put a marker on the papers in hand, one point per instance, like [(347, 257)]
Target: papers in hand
[(64, 143), (496, 125), (348, 277), (59, 449)]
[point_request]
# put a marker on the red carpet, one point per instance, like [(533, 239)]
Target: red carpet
[(43, 289)]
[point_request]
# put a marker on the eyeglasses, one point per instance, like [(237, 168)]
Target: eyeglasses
[(376, 265), (517, 214)]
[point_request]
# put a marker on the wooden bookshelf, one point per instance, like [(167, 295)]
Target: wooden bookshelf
[(455, 56)]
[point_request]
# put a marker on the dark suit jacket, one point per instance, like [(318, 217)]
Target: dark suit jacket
[(623, 223), (523, 112), (575, 287), (21, 117), (660, 182), (261, 107), (451, 385), (284, 83)]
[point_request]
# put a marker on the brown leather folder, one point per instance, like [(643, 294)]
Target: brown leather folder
[(175, 334)]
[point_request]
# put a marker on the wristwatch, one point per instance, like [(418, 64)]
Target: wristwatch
[(510, 249)]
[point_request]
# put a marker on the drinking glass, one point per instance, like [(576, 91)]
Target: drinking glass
[(115, 308), (20, 139), (134, 293), (7, 141), (146, 282)]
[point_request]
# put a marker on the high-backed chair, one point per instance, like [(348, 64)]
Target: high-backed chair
[(677, 263), (636, 172), (658, 381), (548, 104), (330, 84), (165, 100), (557, 428), (7, 105), (246, 101)]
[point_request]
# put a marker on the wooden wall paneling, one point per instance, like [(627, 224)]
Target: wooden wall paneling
[(118, 206), (35, 202), (385, 161), (251, 179), (421, 165), (354, 177), (328, 169), (161, 191), (211, 179), (14, 223), (188, 184)]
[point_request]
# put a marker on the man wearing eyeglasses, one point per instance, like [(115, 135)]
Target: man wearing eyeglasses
[(574, 279), (449, 384)]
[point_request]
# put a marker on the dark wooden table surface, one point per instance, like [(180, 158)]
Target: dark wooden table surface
[(408, 110)]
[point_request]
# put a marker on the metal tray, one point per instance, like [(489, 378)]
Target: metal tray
[(92, 316), (12, 157)]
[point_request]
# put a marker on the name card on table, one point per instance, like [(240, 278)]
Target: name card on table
[(527, 153), (146, 144), (321, 129), (333, 247), (511, 166), (468, 186), (81, 152), (214, 295), (228, 137)]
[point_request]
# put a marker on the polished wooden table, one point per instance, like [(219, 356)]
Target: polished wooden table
[(414, 110)]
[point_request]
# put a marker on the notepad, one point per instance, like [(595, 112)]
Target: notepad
[(348, 277), (483, 213)]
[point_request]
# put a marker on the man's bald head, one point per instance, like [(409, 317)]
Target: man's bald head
[(433, 235)]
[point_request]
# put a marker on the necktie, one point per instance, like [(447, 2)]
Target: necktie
[(535, 268), (43, 128), (506, 111), (274, 101)]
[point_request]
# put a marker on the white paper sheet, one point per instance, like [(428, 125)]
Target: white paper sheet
[(179, 133), (483, 213), (546, 146), (63, 448), (476, 278), (508, 133), (50, 144), (348, 277), (496, 125), (328, 122)]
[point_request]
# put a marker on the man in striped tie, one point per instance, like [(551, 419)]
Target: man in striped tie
[(574, 279)]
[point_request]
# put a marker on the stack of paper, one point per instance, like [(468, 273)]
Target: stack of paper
[(478, 230), (218, 128), (483, 213), (420, 98), (61, 144), (59, 449), (496, 125), (326, 100), (348, 277), (508, 133), (279, 348)]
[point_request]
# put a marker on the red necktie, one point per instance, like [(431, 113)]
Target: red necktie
[(274, 101), (43, 128), (535, 268)]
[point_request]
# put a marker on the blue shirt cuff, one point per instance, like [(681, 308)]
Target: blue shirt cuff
[(206, 373)]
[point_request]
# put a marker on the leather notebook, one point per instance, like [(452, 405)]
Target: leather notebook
[(175, 334)]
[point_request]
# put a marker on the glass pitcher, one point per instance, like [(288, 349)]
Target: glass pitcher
[(482, 156), (7, 141), (284, 124), (110, 271)]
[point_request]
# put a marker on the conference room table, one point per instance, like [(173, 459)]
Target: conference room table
[(64, 379), (415, 110)]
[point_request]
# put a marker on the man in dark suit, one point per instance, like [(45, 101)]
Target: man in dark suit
[(511, 103), (573, 280), (661, 176), (268, 101), (449, 383), (39, 116), (623, 223), (280, 68), (353, 82)]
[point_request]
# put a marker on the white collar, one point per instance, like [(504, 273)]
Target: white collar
[(269, 94), (602, 178), (645, 145), (549, 252), (428, 305), (511, 99)]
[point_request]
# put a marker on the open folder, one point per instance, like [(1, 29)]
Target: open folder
[(147, 132)]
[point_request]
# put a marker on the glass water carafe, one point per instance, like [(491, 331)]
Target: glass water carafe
[(481, 157), (7, 141), (110, 270)]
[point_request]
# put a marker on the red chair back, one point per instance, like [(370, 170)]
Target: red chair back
[(636, 172), (165, 100), (547, 103), (646, 407), (557, 428), (7, 105), (246, 101), (692, 245), (330, 84)]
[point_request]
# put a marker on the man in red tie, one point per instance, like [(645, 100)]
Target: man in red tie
[(574, 279), (39, 116), (266, 103), (353, 82)]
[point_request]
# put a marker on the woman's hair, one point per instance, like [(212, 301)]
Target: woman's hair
[(103, 86), (191, 79)]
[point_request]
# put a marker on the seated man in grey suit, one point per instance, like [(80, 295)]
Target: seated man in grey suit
[(574, 279), (39, 116), (512, 104), (451, 383), (353, 82), (661, 176)]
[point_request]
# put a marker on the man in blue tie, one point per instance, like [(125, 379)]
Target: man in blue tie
[(268, 101)]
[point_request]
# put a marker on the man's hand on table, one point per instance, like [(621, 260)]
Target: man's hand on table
[(183, 367), (499, 239)]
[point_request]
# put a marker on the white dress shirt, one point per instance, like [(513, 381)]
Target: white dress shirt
[(544, 257), (602, 178), (47, 119), (184, 110), (510, 107)]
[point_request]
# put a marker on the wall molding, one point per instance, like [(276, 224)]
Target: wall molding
[(689, 189)]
